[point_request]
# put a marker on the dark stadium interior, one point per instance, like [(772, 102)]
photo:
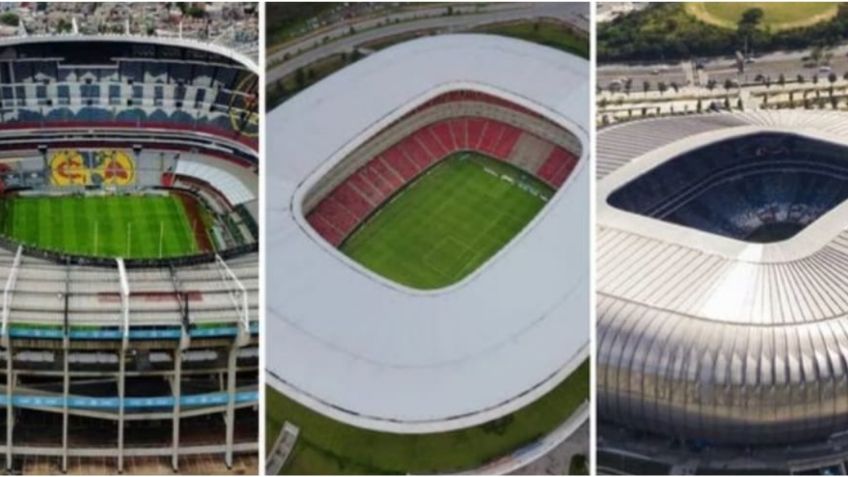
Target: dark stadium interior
[(759, 188)]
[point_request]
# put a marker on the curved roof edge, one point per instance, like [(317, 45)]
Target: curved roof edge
[(230, 53)]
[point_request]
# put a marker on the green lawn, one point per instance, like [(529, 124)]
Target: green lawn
[(555, 35), (776, 15), (448, 222), (69, 223), (328, 447)]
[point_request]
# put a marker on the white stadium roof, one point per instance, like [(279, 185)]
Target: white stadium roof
[(375, 354)]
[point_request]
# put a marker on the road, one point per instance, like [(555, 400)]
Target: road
[(557, 461), (316, 48), (789, 64)]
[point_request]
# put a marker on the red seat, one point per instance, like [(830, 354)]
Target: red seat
[(413, 150), (399, 163), (458, 131), (370, 190), (352, 200), (442, 132), (507, 142), (475, 132), (324, 229)]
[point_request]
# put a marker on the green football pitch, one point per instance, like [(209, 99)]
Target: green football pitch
[(448, 222), (110, 226), (776, 15), (328, 447)]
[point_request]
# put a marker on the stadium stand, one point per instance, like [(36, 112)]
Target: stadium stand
[(452, 122), (112, 359)]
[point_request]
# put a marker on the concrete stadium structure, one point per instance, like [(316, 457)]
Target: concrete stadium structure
[(369, 352), (144, 364), (721, 349)]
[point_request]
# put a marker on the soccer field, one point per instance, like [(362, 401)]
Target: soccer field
[(112, 226), (776, 16), (448, 222)]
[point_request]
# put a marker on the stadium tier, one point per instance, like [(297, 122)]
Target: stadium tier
[(128, 254), (473, 138), (51, 81), (720, 297), (438, 129), (759, 188)]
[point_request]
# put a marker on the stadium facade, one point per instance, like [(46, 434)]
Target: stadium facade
[(126, 360), (370, 352), (721, 294)]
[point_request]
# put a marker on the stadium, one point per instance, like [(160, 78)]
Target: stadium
[(128, 257), (721, 294), (420, 196)]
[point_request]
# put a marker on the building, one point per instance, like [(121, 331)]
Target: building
[(376, 354), (142, 364), (720, 288)]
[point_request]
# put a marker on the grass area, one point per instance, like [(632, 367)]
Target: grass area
[(776, 15), (125, 226), (286, 21), (578, 465), (555, 35), (294, 83), (448, 222), (328, 447)]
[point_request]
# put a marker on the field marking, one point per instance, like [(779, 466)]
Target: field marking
[(427, 258), (69, 224), (425, 239)]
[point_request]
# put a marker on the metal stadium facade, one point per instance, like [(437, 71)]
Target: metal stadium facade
[(117, 362), (721, 293)]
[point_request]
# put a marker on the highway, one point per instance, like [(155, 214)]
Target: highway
[(790, 64), (312, 48)]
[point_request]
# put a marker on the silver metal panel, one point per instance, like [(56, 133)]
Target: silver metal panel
[(701, 345)]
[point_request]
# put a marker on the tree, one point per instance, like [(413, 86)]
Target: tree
[(9, 19), (728, 85), (300, 78), (661, 86), (195, 11), (646, 86), (752, 16), (675, 86), (781, 80), (628, 85), (800, 79), (63, 26), (711, 84)]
